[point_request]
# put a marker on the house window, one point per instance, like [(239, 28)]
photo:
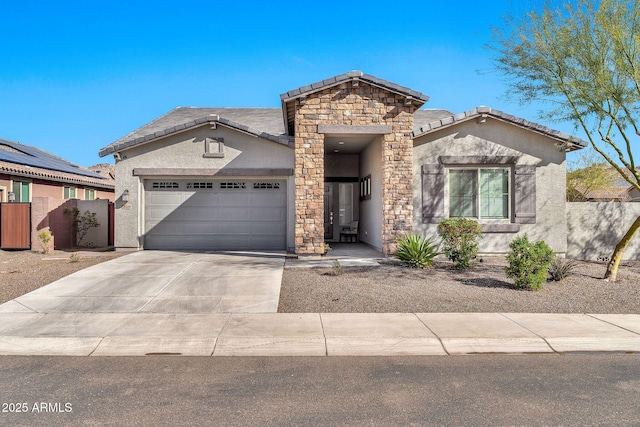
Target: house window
[(213, 147), (69, 193), (365, 188), (164, 184), (199, 185), (479, 193), (89, 194), (233, 185), (346, 204), (21, 191), (266, 185)]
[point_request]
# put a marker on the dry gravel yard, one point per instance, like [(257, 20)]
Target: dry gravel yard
[(25, 271), (388, 288), (485, 288)]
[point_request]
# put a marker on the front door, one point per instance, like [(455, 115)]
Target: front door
[(328, 210)]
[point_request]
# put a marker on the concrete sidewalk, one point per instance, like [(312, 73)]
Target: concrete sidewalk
[(314, 334)]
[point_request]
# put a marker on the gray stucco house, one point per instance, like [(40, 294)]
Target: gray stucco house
[(350, 148)]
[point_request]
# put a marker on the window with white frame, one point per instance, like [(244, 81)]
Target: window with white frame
[(21, 191), (482, 193), (69, 192), (89, 194)]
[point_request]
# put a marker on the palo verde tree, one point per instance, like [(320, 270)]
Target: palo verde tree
[(582, 59)]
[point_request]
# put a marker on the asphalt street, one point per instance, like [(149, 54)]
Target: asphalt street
[(453, 390)]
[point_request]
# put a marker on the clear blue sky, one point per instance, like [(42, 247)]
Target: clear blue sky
[(77, 75)]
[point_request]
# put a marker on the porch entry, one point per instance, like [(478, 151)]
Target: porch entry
[(341, 207)]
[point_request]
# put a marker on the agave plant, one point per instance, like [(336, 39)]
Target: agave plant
[(416, 251)]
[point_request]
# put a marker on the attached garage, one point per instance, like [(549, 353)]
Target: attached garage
[(226, 214)]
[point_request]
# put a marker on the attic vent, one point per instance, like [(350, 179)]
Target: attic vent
[(194, 185), (165, 184), (233, 185), (266, 185)]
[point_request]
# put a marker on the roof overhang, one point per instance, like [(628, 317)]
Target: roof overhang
[(480, 114), (212, 120)]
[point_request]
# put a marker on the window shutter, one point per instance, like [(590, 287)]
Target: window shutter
[(432, 193), (525, 194)]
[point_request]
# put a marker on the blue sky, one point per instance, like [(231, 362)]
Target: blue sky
[(77, 75)]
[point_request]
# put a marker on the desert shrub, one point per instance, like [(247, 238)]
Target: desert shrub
[(561, 268), (528, 262), (416, 251), (74, 257), (460, 240), (336, 268), (45, 238)]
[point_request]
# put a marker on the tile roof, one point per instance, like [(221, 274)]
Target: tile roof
[(25, 160), (263, 122), (353, 75), (574, 143)]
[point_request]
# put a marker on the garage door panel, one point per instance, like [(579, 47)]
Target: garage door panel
[(183, 215), (233, 214), (204, 199), (266, 228), (234, 198), (267, 214), (202, 227), (269, 199), (234, 228), (267, 242), (164, 198)]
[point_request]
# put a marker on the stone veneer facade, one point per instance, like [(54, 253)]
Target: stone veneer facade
[(353, 103)]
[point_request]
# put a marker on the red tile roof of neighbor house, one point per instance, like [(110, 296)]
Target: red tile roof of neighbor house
[(24, 160)]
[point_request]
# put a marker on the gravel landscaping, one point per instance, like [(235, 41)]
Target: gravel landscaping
[(392, 287), (24, 271)]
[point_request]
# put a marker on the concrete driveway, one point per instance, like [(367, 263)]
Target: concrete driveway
[(164, 282)]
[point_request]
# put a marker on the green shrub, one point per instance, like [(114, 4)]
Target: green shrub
[(460, 240), (528, 263), (561, 268), (416, 251), (45, 238), (336, 268)]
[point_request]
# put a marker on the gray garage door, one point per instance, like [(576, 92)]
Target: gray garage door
[(233, 214)]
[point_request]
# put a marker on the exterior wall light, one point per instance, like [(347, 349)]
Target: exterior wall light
[(12, 196), (125, 196)]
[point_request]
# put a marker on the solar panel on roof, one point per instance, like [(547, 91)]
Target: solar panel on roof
[(40, 159)]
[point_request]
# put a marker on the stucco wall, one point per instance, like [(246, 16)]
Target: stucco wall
[(595, 228), (370, 227), (496, 138), (97, 237), (185, 150)]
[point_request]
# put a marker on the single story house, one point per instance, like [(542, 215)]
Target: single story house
[(353, 147), (31, 175)]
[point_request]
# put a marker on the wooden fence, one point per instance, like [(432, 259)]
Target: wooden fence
[(15, 225)]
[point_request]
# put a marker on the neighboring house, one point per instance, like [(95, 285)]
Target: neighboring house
[(619, 190), (350, 148), (28, 174)]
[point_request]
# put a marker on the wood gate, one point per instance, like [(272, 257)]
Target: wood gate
[(15, 225)]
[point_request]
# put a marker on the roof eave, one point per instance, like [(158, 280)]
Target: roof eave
[(572, 143), (211, 120)]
